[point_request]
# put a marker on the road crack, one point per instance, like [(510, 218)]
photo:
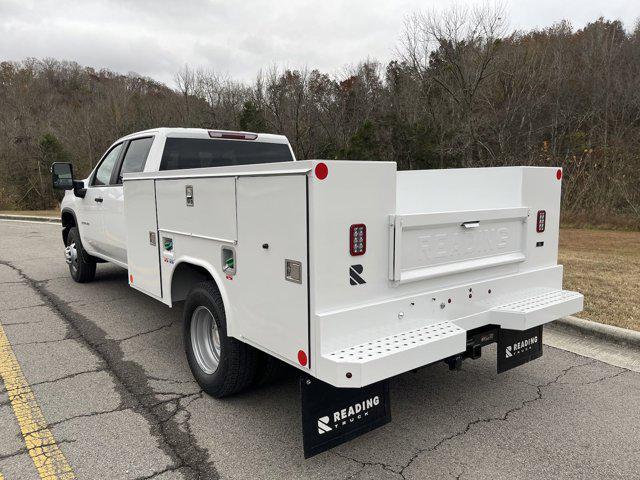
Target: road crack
[(502, 418), (66, 377), (132, 384), (42, 342), (162, 327)]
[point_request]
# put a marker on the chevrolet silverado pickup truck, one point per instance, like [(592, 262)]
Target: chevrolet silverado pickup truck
[(349, 271)]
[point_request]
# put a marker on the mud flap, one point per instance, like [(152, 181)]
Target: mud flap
[(516, 347), (331, 416)]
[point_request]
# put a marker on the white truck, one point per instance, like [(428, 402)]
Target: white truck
[(349, 271)]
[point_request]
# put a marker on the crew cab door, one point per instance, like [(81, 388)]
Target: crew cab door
[(92, 205), (114, 231)]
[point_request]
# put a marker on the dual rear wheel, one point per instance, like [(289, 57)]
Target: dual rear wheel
[(221, 364)]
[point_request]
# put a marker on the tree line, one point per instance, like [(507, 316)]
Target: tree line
[(460, 92)]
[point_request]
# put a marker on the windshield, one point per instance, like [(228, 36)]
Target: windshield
[(181, 153)]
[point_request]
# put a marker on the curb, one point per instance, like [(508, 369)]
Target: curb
[(609, 333), (30, 218)]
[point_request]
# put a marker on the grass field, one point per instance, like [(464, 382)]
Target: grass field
[(35, 213), (604, 266)]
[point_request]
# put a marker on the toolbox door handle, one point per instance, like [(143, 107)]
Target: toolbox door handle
[(474, 224)]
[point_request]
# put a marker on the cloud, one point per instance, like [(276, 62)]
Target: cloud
[(156, 38)]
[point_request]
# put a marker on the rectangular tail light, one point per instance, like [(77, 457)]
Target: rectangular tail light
[(357, 239), (541, 221)]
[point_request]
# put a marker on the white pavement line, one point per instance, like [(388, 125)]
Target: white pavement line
[(593, 347)]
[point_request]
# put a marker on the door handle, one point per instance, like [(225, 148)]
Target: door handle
[(98, 199), (468, 225)]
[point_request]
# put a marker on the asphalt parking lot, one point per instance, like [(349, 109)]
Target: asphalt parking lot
[(106, 393)]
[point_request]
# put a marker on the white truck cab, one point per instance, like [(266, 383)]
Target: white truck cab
[(99, 214), (349, 271)]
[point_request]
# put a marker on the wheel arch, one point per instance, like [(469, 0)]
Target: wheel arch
[(188, 272), (68, 219)]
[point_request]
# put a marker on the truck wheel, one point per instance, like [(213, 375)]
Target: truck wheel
[(81, 265), (220, 364)]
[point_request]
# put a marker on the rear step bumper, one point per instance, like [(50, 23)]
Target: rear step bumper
[(532, 311), (369, 362)]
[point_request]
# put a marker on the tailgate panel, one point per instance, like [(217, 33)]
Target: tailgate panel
[(437, 244)]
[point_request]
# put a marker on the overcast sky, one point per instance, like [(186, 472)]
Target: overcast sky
[(156, 38)]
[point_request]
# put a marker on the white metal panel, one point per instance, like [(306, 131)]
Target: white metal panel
[(114, 233), (269, 310), (352, 193), (443, 243), (541, 191), (213, 214), (141, 227), (420, 191), (466, 305), (90, 213)]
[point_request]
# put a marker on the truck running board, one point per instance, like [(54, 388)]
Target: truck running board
[(535, 308)]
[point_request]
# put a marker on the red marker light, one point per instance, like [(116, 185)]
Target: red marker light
[(321, 171), (302, 358), (130, 278), (559, 174)]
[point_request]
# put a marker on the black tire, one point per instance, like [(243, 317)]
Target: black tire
[(237, 363), (83, 268), (269, 369)]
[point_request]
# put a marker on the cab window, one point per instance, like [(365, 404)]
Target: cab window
[(135, 157), (182, 153), (103, 174)]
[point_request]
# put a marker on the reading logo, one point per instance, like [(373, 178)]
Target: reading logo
[(520, 347), (348, 415), (323, 425)]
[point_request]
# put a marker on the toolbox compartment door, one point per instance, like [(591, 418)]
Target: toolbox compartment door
[(142, 236), (271, 309), (428, 245)]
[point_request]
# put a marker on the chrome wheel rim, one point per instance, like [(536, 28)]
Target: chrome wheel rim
[(71, 256), (205, 340)]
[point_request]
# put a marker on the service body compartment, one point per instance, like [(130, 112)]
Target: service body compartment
[(142, 234), (210, 211), (447, 251), (270, 305), (462, 250)]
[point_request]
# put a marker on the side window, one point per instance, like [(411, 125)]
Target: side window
[(103, 174), (136, 156)]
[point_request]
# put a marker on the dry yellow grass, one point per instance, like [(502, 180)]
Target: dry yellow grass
[(35, 213), (604, 266)]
